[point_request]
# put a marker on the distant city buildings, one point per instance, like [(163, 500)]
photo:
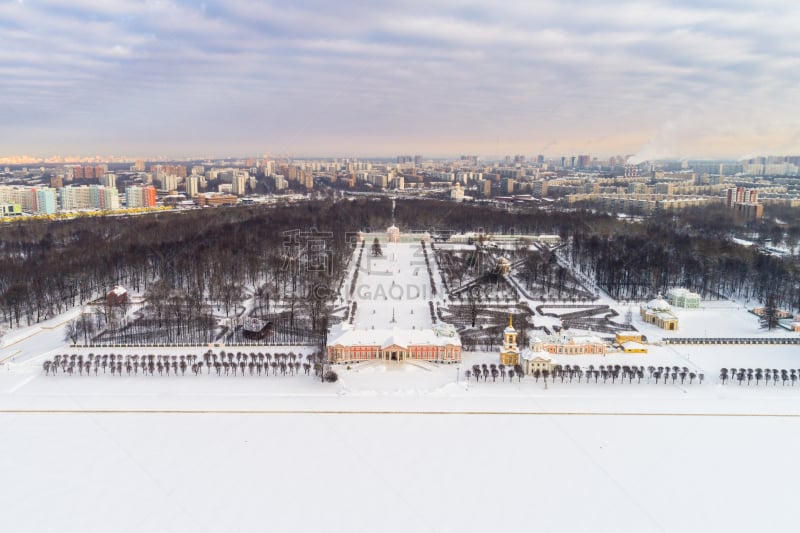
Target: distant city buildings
[(613, 184), (744, 202), (140, 196), (88, 197), (192, 185), (216, 199)]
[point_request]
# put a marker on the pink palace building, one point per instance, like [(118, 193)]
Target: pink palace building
[(352, 346)]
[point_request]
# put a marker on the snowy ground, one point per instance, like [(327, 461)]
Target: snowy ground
[(397, 448), (398, 473), (394, 285)]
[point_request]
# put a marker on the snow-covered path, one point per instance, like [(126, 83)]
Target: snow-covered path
[(393, 286)]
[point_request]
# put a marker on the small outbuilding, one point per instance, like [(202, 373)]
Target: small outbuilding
[(256, 329), (628, 336), (633, 347), (117, 296), (659, 313)]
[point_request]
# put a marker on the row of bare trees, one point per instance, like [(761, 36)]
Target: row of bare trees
[(223, 363), (591, 374), (759, 375), (494, 371)]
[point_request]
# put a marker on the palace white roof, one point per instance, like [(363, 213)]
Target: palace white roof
[(659, 304), (568, 338), (530, 355), (345, 336)]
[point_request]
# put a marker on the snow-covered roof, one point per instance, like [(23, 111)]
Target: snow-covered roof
[(631, 345), (586, 339), (345, 336), (530, 355), (659, 304), (681, 291), (119, 290)]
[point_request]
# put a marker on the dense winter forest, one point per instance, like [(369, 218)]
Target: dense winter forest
[(199, 262)]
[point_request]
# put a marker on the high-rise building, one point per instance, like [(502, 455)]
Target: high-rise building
[(109, 198), (240, 184), (108, 180), (88, 197), (46, 201), (176, 170), (139, 165), (169, 182), (631, 171), (140, 196), (192, 186), (24, 196), (487, 188)]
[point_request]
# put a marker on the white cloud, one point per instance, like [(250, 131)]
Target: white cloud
[(446, 72)]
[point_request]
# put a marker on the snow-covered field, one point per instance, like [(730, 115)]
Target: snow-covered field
[(396, 473), (400, 447)]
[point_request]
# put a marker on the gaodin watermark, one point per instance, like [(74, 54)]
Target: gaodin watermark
[(395, 291)]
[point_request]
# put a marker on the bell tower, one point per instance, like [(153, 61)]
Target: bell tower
[(509, 353)]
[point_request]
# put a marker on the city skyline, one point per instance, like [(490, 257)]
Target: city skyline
[(659, 80)]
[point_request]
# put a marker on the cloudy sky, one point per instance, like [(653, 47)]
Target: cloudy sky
[(681, 78)]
